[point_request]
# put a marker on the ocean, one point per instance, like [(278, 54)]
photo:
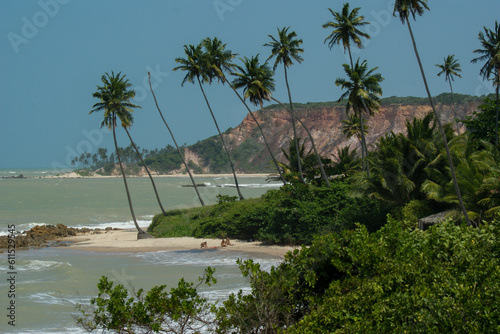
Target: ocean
[(50, 281)]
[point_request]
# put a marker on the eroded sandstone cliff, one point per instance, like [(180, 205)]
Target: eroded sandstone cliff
[(324, 124)]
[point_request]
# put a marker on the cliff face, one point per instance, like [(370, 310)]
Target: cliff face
[(325, 123)]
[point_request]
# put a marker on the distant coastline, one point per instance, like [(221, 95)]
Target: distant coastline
[(74, 175)]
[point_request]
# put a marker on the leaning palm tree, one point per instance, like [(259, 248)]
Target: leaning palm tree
[(363, 93), (175, 142), (204, 67), (257, 82), (346, 29), (115, 97), (216, 59), (451, 68), (286, 49), (405, 9), (490, 54)]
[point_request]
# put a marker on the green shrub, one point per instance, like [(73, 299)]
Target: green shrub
[(396, 280)]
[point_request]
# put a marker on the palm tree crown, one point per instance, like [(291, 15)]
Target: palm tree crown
[(256, 80), (192, 64), (346, 29), (450, 68), (351, 127), (362, 86), (286, 48), (405, 8), (115, 99), (216, 59), (490, 53)]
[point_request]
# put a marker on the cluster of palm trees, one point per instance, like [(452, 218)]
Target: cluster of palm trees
[(211, 61), (346, 29)]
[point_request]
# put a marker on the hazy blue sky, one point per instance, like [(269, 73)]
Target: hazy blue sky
[(53, 53)]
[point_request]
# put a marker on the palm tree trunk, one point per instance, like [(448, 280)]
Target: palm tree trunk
[(454, 106), (177, 146), (125, 181), (147, 170), (263, 137), (498, 110), (295, 139), (323, 174), (222, 140), (364, 150), (350, 56), (450, 161)]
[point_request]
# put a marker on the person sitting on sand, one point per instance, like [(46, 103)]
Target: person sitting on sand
[(228, 242), (223, 243), (204, 244)]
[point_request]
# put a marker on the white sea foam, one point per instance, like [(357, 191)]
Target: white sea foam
[(202, 258), (39, 265), (121, 225), (21, 228), (49, 298)]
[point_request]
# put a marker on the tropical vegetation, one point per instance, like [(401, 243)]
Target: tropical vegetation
[(365, 264)]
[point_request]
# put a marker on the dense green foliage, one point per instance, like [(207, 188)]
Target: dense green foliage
[(293, 214), (395, 280), (444, 98), (481, 125)]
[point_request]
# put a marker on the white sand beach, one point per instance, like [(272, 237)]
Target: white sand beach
[(126, 241)]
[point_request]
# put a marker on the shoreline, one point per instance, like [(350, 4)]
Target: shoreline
[(73, 175), (126, 241)]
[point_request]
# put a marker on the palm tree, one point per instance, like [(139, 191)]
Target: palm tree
[(490, 53), (286, 49), (318, 157), (346, 162), (363, 93), (257, 82), (175, 142), (351, 127), (405, 8), (115, 97), (451, 68), (204, 67), (477, 172), (345, 29), (216, 59)]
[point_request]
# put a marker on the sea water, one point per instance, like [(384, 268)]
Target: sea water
[(51, 281)]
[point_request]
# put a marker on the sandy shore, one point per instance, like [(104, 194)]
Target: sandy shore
[(126, 241)]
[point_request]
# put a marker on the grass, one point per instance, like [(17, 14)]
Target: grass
[(227, 217)]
